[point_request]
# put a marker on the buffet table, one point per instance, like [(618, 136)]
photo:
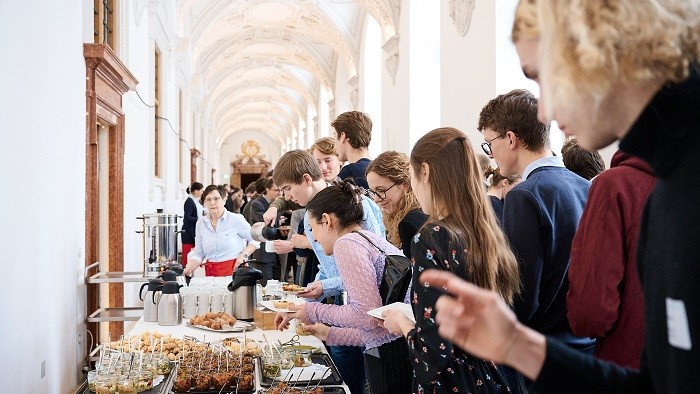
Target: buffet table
[(272, 336)]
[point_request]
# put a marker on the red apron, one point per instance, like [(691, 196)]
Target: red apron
[(186, 248), (219, 268)]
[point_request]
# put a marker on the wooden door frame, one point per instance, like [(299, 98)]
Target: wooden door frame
[(107, 79)]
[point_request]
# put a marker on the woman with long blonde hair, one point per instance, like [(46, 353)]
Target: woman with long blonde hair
[(461, 236), (390, 187)]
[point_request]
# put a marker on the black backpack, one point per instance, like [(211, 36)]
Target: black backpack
[(397, 275)]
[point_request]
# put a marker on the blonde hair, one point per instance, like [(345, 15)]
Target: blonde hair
[(394, 166), (525, 24), (588, 45), (325, 145), (470, 220)]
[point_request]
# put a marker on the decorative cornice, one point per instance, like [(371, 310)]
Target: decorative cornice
[(461, 14), (391, 48)]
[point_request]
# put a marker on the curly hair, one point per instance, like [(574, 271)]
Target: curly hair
[(588, 45), (525, 24), (393, 165)]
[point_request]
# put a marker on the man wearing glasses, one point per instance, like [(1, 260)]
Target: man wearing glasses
[(540, 214)]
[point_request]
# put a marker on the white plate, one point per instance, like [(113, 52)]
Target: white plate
[(240, 326), (269, 305), (405, 308)]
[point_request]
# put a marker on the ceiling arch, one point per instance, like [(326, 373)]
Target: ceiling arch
[(261, 64)]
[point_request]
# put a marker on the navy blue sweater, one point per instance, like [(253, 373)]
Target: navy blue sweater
[(540, 217)]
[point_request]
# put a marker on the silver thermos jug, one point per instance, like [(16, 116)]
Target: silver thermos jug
[(170, 305), (243, 288), (150, 309)]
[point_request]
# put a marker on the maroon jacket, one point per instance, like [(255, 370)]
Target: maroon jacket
[(605, 298)]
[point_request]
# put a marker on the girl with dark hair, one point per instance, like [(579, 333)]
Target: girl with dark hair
[(461, 236), (192, 212), (334, 215)]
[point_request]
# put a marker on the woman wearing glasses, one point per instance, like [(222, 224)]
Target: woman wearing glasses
[(222, 239), (390, 187)]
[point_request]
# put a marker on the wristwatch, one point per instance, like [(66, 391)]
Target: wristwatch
[(245, 256)]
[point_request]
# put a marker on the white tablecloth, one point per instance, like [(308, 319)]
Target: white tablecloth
[(210, 336)]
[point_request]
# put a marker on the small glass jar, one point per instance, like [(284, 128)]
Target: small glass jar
[(126, 386), (163, 366), (91, 377), (302, 358), (271, 366), (105, 384)]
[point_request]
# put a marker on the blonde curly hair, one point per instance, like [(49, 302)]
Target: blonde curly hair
[(395, 167), (525, 25), (589, 45)]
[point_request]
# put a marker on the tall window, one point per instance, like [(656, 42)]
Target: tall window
[(157, 110), (105, 22)]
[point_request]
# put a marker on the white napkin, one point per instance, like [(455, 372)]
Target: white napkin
[(318, 371)]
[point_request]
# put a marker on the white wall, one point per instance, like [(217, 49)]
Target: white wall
[(468, 69), (42, 168)]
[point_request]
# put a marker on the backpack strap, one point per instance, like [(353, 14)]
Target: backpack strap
[(370, 241)]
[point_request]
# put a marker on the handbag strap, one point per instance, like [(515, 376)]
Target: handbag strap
[(370, 241)]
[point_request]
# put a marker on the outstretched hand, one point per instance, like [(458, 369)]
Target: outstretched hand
[(480, 322)]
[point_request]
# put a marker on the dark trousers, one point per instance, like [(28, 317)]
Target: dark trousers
[(348, 360), (391, 372)]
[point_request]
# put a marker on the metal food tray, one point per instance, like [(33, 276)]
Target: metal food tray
[(324, 359), (226, 390)]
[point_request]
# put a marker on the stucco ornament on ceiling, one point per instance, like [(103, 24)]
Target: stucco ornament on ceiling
[(250, 149), (461, 14)]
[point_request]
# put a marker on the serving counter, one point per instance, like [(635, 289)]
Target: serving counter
[(333, 383)]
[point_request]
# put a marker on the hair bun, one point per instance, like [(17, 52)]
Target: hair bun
[(349, 187)]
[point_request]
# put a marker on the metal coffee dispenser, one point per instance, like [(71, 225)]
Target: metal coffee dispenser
[(170, 305), (243, 286), (160, 235), (150, 309)]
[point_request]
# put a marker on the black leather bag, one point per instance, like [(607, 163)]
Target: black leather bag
[(397, 275)]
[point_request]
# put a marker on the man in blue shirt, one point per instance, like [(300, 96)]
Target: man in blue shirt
[(540, 214), (353, 132)]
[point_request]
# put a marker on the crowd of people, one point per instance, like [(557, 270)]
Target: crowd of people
[(544, 274)]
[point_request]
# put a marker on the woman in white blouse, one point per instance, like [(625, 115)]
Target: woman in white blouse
[(222, 240)]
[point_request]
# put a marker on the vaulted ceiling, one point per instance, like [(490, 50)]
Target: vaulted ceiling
[(261, 63)]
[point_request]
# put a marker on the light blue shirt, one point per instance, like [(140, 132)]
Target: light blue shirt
[(552, 161), (231, 236), (328, 273)]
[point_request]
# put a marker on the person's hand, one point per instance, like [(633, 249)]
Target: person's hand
[(283, 318), (239, 260), (396, 322), (282, 247), (475, 319), (300, 241), (270, 215), (191, 266), (314, 290), (319, 330)]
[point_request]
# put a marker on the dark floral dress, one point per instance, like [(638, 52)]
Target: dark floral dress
[(439, 367)]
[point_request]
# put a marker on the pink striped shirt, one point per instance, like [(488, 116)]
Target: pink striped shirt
[(361, 267)]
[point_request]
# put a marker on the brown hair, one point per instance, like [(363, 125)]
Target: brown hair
[(211, 188), (580, 161), (342, 199), (292, 166), (325, 145), (484, 164), (497, 177), (394, 166), (269, 184), (516, 111), (356, 125), (451, 161)]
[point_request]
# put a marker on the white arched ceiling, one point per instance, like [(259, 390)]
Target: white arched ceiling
[(259, 64)]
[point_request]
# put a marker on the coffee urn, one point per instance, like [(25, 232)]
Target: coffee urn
[(243, 288)]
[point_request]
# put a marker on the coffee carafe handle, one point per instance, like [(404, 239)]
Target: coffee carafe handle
[(141, 291), (154, 297)]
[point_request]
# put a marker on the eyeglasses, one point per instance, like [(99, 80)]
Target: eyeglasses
[(379, 193), (486, 146), (212, 199)]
